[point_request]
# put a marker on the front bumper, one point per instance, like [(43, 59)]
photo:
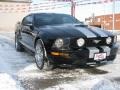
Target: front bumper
[(86, 55)]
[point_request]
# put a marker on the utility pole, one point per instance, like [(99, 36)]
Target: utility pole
[(93, 19), (73, 4), (113, 28)]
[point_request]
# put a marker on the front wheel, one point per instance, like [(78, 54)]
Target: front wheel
[(40, 58)]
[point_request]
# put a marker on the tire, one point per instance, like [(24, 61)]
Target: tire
[(18, 45), (112, 57), (40, 59)]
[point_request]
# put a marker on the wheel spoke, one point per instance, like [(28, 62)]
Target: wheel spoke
[(39, 55)]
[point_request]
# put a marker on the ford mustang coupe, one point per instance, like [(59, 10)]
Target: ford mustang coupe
[(60, 39)]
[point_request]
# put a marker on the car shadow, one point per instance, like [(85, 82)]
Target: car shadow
[(95, 71), (41, 83), (90, 69)]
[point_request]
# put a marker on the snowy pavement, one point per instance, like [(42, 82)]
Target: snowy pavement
[(18, 72)]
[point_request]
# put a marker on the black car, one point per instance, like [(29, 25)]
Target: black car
[(58, 39)]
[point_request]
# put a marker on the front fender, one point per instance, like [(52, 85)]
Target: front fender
[(38, 38)]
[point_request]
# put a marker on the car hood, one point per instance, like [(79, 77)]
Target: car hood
[(73, 30)]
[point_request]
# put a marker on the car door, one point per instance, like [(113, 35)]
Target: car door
[(27, 32)]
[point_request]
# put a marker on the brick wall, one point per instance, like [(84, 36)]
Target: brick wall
[(105, 21)]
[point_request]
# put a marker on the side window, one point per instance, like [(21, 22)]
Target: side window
[(27, 20)]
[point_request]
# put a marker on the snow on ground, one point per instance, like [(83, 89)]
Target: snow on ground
[(8, 83), (17, 70), (93, 84), (6, 80), (8, 66)]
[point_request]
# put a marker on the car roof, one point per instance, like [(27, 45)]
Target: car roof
[(47, 14)]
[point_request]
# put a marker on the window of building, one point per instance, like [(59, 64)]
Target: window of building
[(98, 19)]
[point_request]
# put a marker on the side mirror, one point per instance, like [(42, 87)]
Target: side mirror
[(30, 25)]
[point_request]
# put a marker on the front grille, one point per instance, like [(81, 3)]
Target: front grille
[(95, 42), (90, 42)]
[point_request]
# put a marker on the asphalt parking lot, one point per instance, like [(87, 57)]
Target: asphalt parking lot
[(21, 67)]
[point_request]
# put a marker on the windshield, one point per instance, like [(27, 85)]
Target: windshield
[(54, 19)]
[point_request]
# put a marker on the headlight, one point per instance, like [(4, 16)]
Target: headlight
[(108, 40), (80, 42), (59, 43), (115, 39)]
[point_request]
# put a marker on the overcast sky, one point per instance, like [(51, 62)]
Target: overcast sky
[(83, 11)]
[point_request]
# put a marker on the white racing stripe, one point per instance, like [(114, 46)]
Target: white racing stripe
[(92, 51), (86, 32), (106, 49), (99, 32)]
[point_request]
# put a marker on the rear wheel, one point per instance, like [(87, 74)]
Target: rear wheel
[(40, 58), (18, 45)]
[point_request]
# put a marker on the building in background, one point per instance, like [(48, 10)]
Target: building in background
[(12, 11), (15, 1), (105, 21)]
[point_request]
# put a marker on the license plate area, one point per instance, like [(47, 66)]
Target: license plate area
[(100, 56)]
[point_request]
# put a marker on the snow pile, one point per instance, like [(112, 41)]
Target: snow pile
[(104, 85), (4, 67), (7, 79), (8, 83), (30, 71), (93, 84)]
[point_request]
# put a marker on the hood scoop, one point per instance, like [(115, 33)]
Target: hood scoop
[(80, 25)]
